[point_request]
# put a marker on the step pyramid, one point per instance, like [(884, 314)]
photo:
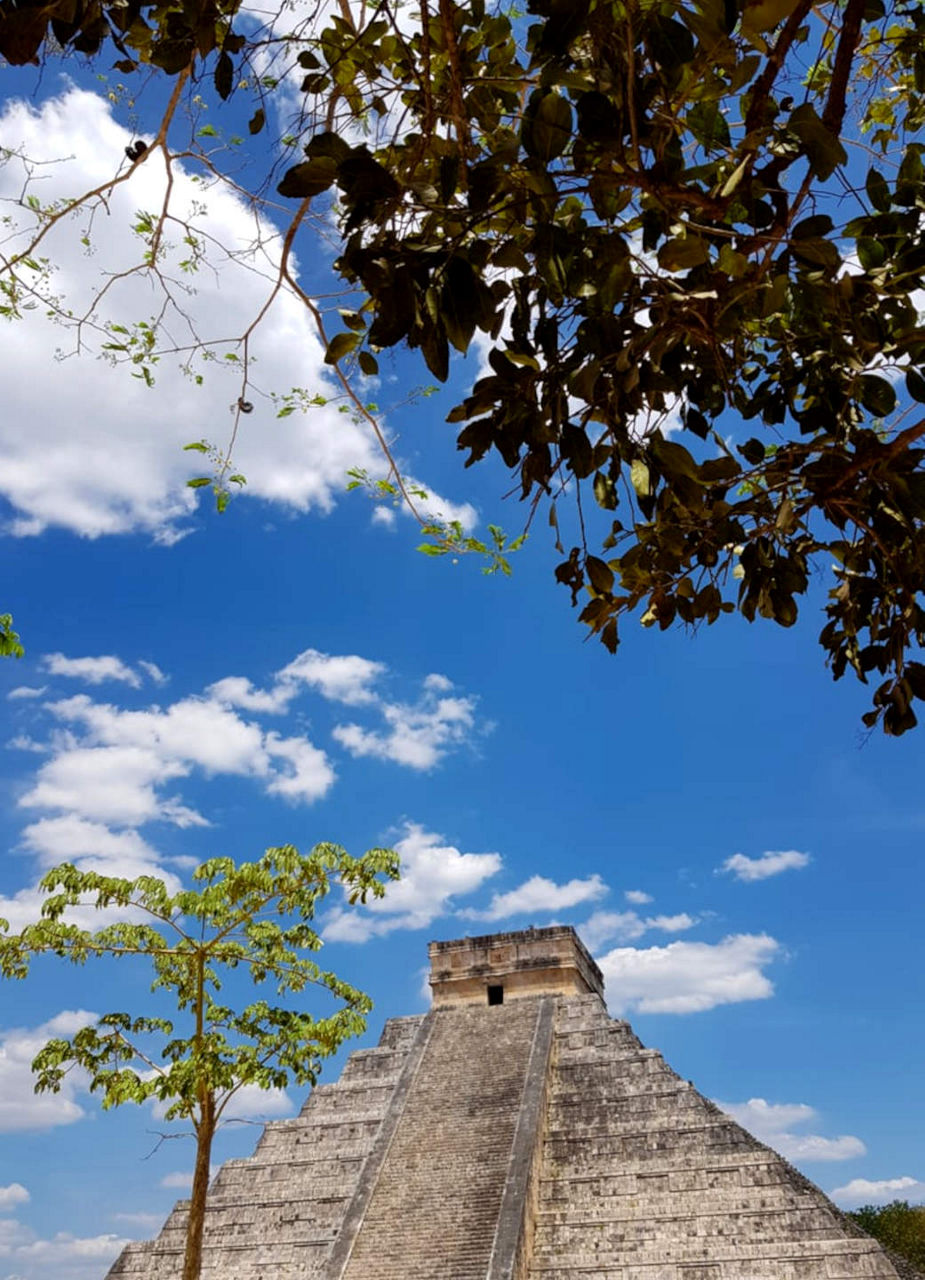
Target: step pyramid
[(514, 1132)]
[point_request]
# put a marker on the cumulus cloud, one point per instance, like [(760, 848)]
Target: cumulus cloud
[(103, 479), (91, 670), (69, 838), (540, 895), (62, 1257), (689, 977), (26, 691), (432, 875), (345, 678), (417, 735), (626, 926), (21, 1108), (153, 672), (109, 770), (862, 1191), (637, 897), (773, 1123), (14, 1193), (116, 773), (769, 864)]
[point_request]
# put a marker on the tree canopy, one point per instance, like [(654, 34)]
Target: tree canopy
[(685, 238), (254, 917), (897, 1225)]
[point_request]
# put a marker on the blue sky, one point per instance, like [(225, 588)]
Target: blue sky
[(742, 859)]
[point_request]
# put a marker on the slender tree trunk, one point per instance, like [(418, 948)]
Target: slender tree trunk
[(192, 1261)]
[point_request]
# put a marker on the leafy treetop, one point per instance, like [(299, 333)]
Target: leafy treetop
[(669, 217), (254, 917)]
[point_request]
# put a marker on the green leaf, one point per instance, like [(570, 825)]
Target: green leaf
[(309, 178), (198, 482), (547, 127), (605, 491), (708, 125), (878, 191), (341, 345), (915, 385), (327, 146), (877, 395), (600, 575), (682, 253), (368, 363), (641, 478), (224, 76), (821, 147), (10, 646)]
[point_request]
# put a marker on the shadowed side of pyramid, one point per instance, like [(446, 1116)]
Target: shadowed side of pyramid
[(515, 1132)]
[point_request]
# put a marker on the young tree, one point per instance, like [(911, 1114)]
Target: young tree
[(256, 918), (670, 217)]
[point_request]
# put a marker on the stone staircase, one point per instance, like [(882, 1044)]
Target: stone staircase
[(275, 1215), (642, 1178), (435, 1209)]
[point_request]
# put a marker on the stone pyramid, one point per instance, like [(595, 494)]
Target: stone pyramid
[(514, 1132)]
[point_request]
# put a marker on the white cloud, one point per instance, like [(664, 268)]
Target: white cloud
[(772, 1122), (541, 895), (68, 838), (26, 691), (689, 977), (116, 773), (607, 926), (386, 516), (23, 742), (104, 479), (432, 875), (626, 926), (153, 672), (21, 1108), (305, 774), (253, 1103), (91, 670), (72, 1256), (417, 736), (861, 1191), (345, 678), (637, 897), (348, 678), (671, 924), (14, 1193), (769, 864), (102, 783), (237, 691)]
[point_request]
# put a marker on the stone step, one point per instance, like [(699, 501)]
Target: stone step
[(434, 1209)]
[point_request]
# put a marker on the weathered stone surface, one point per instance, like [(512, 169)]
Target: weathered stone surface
[(532, 1140)]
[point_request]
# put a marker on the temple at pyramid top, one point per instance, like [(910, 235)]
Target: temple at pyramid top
[(509, 966), (514, 1132)]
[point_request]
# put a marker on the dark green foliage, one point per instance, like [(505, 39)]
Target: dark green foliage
[(645, 209), (700, 294), (898, 1226)]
